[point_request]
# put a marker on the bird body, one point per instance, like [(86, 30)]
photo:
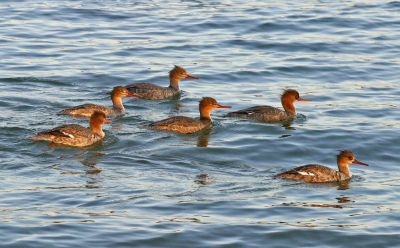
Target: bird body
[(76, 135), (86, 110), (315, 173), (271, 114), (155, 92), (183, 124)]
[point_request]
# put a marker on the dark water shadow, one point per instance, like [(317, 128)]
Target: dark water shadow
[(287, 124), (92, 159), (204, 137), (340, 185), (339, 202), (201, 180), (88, 159), (204, 179), (88, 156), (175, 104)]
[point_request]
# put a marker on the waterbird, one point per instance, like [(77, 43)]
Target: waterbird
[(86, 110), (185, 125), (314, 173), (271, 114), (154, 92), (76, 135)]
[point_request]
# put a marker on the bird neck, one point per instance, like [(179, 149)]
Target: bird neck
[(288, 106), (117, 103), (97, 128), (344, 168), (174, 82), (205, 114)]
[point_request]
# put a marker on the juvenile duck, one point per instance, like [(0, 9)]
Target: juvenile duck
[(271, 114), (154, 92), (76, 135), (183, 124), (314, 173), (86, 110)]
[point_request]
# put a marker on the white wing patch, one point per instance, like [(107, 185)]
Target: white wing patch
[(305, 173), (68, 134)]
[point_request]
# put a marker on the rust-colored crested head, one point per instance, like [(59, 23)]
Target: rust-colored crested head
[(288, 98), (96, 122), (98, 118), (347, 157), (290, 94), (121, 91), (209, 102), (179, 72)]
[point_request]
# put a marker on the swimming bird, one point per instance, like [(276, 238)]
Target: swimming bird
[(76, 135), (183, 124), (314, 173), (86, 110), (272, 114), (154, 92)]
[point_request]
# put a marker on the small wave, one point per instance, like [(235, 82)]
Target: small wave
[(34, 79)]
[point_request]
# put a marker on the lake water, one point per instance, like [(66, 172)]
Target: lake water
[(141, 188)]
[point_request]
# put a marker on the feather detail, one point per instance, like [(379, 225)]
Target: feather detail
[(305, 173), (67, 134)]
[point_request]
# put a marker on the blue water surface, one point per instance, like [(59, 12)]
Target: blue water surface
[(141, 188)]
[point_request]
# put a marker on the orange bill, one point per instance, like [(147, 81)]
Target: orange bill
[(303, 100), (359, 162), (191, 77), (222, 106)]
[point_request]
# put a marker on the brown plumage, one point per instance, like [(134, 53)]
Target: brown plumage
[(272, 114), (183, 124), (314, 173), (154, 92), (76, 135), (86, 110)]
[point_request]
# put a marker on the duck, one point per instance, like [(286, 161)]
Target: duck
[(154, 92), (86, 110), (186, 125), (271, 114), (76, 135), (315, 173)]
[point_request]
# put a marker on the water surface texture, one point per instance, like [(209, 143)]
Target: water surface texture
[(141, 188)]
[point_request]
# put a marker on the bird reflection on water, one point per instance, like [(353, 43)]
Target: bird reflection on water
[(341, 200)]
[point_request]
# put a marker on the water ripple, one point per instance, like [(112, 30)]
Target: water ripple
[(214, 188)]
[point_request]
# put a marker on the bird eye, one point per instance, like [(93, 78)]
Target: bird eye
[(350, 158)]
